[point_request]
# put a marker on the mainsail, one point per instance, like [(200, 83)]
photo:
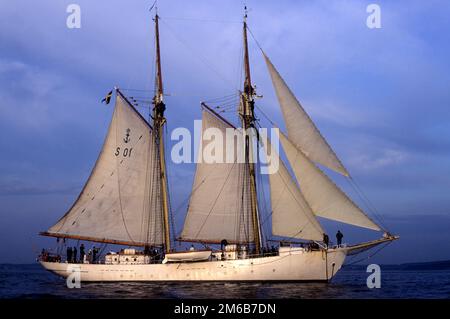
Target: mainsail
[(120, 202), (301, 130), (323, 196), (220, 203), (291, 215)]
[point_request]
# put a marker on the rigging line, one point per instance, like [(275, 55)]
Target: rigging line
[(194, 189), (241, 224), (229, 111), (248, 199), (374, 209), (146, 204), (267, 117), (140, 97), (367, 202), (132, 77), (226, 103), (260, 202), (370, 256), (254, 38), (169, 186), (232, 99), (196, 54), (223, 106), (227, 108), (257, 167), (264, 200), (215, 201), (188, 197), (202, 20), (138, 90), (269, 215), (224, 96), (240, 64)]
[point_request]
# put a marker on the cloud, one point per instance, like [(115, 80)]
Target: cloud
[(380, 160)]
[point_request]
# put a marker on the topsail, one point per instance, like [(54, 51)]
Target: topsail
[(117, 204), (301, 130)]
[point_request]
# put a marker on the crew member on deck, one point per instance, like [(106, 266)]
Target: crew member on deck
[(326, 240), (69, 254), (74, 253), (94, 254), (82, 253), (339, 237)]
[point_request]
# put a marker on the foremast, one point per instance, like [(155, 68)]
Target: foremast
[(159, 122), (248, 123)]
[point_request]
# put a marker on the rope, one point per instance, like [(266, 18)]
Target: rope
[(256, 41), (169, 187), (370, 256), (368, 203), (202, 20), (196, 54)]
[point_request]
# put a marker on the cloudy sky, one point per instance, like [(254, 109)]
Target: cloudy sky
[(380, 96)]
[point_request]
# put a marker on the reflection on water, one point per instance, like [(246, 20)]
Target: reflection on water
[(31, 281)]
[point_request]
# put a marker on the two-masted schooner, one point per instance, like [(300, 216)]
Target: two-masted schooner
[(125, 201)]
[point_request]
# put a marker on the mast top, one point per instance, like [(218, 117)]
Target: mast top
[(159, 92), (248, 89), (154, 5)]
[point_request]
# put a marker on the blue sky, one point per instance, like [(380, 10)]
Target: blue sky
[(380, 96)]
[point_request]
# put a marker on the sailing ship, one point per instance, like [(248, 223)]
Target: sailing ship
[(125, 200)]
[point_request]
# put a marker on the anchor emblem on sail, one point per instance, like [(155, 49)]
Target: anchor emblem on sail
[(127, 136)]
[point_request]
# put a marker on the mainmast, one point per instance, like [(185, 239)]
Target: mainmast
[(158, 129), (248, 120)]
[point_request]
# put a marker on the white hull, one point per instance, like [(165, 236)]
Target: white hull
[(298, 265)]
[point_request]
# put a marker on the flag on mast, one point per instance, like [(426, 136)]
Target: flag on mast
[(107, 98)]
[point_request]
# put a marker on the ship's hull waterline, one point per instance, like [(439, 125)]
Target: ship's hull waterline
[(296, 266)]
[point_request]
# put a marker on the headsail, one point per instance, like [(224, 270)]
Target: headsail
[(301, 129), (116, 204), (323, 196), (291, 214), (220, 206)]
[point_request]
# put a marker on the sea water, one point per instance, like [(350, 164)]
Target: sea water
[(32, 281)]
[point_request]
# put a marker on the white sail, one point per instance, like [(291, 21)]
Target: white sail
[(300, 127), (220, 206), (323, 196), (116, 204), (291, 214)]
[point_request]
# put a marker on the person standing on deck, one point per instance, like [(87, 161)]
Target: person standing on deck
[(74, 253), (326, 240), (69, 254), (94, 254), (339, 237), (82, 253)]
